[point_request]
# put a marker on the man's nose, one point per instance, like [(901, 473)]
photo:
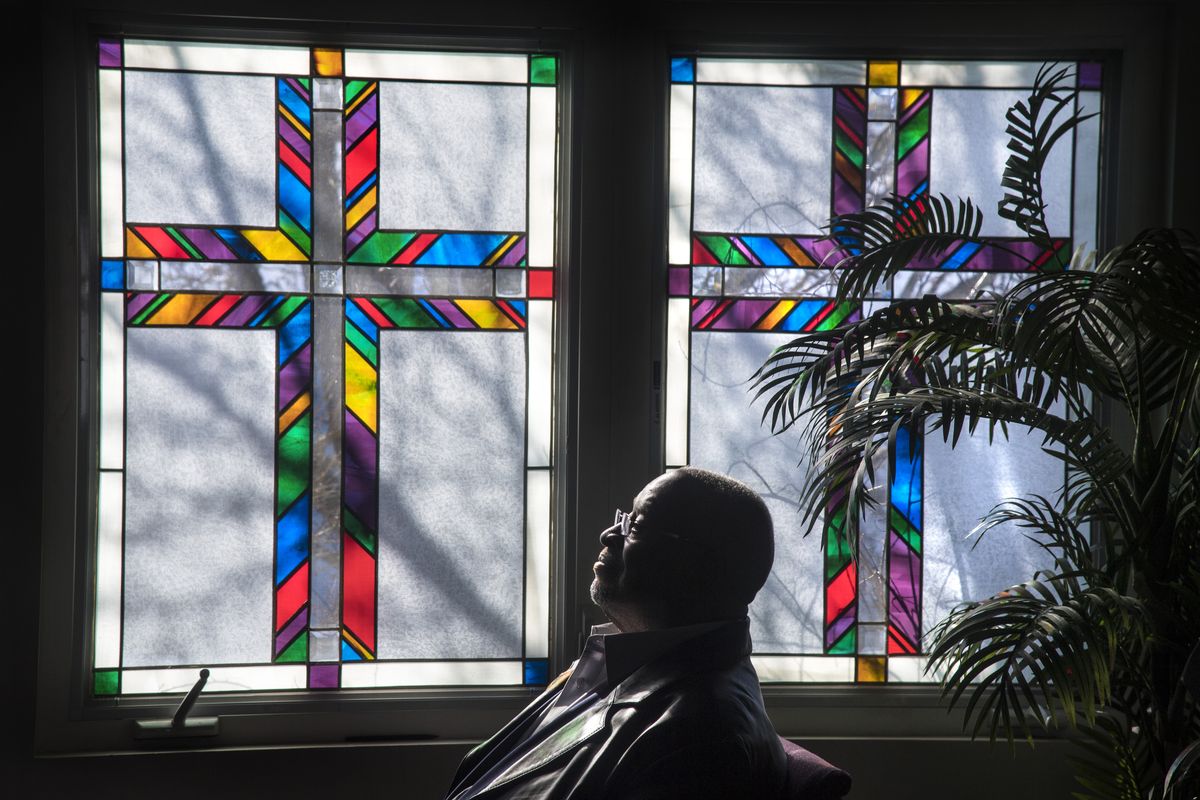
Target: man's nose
[(611, 537)]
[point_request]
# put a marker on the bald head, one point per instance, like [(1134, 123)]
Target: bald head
[(700, 548)]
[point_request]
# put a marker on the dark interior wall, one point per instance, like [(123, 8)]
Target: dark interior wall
[(614, 177)]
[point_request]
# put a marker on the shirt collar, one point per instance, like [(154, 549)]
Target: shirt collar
[(625, 653)]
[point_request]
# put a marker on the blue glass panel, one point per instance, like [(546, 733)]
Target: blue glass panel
[(112, 274)]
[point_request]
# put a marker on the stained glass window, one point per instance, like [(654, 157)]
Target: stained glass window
[(761, 154), (326, 335)]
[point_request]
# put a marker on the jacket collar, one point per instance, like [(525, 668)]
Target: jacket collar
[(719, 648)]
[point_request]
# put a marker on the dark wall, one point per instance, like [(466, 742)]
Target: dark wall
[(899, 768)]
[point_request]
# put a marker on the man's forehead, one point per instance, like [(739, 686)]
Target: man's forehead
[(660, 495)]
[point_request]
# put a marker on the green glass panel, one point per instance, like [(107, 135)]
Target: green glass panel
[(913, 132), (846, 645), (106, 682), (380, 248), (305, 82), (183, 242), (724, 250), (904, 530), (405, 312), (295, 232), (837, 316), (150, 309), (362, 343), (837, 549), (293, 463), (849, 149), (356, 529), (353, 88), (283, 311), (543, 70), (296, 651)]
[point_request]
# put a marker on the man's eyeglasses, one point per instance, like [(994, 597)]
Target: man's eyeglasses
[(625, 520)]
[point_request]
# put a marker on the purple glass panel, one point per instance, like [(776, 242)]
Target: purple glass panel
[(110, 53), (904, 578), (294, 378), (679, 281), (323, 676), (285, 637), (209, 244), (361, 467), (1089, 73), (246, 310), (362, 119)]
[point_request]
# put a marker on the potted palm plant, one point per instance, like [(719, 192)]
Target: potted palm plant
[(1103, 646)]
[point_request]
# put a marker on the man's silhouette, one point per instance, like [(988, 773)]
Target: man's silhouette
[(663, 702)]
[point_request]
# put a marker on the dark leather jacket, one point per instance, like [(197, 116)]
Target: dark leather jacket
[(689, 724)]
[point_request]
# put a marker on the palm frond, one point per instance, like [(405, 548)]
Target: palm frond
[(1038, 648), (1034, 126), (1112, 761), (890, 236)]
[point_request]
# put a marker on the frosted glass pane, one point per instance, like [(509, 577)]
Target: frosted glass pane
[(327, 415), (881, 104), (452, 157), (200, 149), (543, 136), (675, 452), (679, 213), (872, 558), (541, 366), (537, 564), (952, 285), (779, 282), (439, 281), (224, 277), (371, 674), (911, 669), (451, 494), (975, 73), (1087, 170), (725, 436), (220, 679), (112, 380), (803, 669), (212, 57), (961, 486), (881, 161), (783, 73), (112, 187), (142, 275), (199, 499), (108, 571), (762, 159), (706, 281), (493, 68), (968, 152)]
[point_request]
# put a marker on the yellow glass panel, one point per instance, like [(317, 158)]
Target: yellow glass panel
[(362, 384), (327, 62), (910, 96), (360, 209), (297, 408), (872, 669), (883, 73), (136, 248), (486, 314), (777, 313), (181, 309), (274, 245)]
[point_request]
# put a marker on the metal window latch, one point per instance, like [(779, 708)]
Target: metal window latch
[(180, 726)]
